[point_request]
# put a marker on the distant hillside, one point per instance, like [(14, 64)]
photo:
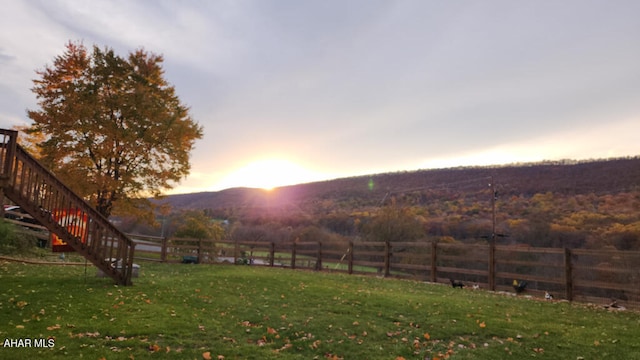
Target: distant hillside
[(588, 204), (565, 177)]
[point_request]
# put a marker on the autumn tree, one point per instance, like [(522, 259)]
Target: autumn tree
[(193, 227), (196, 225), (113, 127), (394, 223)]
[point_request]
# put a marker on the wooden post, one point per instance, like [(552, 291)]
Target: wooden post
[(96, 235), (387, 258), (434, 259), (492, 265), (293, 256), (350, 257), (10, 152), (163, 250), (568, 274), (319, 259), (272, 253), (129, 272), (236, 248), (199, 250)]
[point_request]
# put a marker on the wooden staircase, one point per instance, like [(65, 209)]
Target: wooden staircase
[(35, 189)]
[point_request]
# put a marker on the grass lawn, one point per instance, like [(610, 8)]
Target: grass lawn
[(177, 311)]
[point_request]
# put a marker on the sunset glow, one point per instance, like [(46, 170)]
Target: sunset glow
[(328, 90), (268, 174)]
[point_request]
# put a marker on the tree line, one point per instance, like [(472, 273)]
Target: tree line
[(541, 220)]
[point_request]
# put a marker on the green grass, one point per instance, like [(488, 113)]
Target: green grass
[(244, 312)]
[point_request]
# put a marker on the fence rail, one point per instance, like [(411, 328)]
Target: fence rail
[(571, 274)]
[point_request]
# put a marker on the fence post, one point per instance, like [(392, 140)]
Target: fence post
[(293, 256), (568, 274), (236, 248), (350, 257), (319, 259), (199, 250), (163, 250), (387, 257), (10, 152), (434, 259), (492, 265), (272, 253)]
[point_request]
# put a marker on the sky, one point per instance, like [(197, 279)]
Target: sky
[(294, 91)]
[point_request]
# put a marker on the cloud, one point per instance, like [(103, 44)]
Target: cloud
[(358, 86)]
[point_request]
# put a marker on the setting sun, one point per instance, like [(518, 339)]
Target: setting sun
[(270, 173)]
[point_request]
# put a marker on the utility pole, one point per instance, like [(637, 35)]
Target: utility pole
[(492, 241), (494, 195)]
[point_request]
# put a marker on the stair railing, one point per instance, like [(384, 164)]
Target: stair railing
[(37, 190)]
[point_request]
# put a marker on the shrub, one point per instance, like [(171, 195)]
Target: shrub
[(13, 241)]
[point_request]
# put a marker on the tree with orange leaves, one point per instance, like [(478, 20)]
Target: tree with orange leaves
[(114, 129)]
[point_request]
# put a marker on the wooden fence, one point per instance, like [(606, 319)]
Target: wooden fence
[(596, 276)]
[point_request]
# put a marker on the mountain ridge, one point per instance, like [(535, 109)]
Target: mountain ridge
[(564, 176)]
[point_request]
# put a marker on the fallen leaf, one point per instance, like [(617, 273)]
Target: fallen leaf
[(286, 346), (21, 304), (427, 336), (206, 355), (483, 325)]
